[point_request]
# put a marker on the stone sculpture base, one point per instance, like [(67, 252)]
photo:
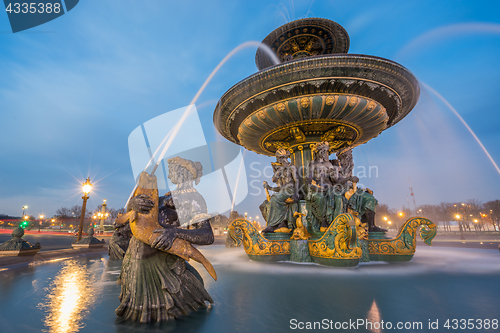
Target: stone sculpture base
[(299, 250), (88, 242), (17, 246)]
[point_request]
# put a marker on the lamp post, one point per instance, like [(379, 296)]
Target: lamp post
[(460, 226), (24, 215), (87, 186), (24, 224), (401, 214), (103, 216), (40, 222)]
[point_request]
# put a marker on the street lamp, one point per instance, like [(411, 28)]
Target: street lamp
[(460, 226), (24, 215), (40, 223), (401, 214), (24, 224), (103, 215), (87, 186)]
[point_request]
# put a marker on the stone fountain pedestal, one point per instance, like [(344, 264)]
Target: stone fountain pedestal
[(88, 242), (299, 250), (18, 246)]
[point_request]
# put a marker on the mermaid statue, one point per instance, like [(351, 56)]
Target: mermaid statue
[(157, 283)]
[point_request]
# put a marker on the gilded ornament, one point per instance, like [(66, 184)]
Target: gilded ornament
[(353, 101), (330, 100), (261, 114), (280, 107), (297, 134), (371, 106), (283, 230), (281, 145), (253, 242), (304, 102), (300, 231), (405, 243), (334, 244)]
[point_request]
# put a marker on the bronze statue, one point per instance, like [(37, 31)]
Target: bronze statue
[(279, 208), (363, 204), (322, 200), (156, 281)]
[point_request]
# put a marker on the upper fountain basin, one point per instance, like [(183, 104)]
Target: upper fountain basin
[(345, 99)]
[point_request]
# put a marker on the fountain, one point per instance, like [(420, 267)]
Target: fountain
[(81, 294), (318, 101)]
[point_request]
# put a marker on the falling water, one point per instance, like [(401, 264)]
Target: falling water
[(237, 180), (173, 132), (427, 38), (463, 122)]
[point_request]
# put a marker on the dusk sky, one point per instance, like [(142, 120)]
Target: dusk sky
[(72, 90)]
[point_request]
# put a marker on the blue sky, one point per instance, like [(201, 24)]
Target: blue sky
[(73, 89)]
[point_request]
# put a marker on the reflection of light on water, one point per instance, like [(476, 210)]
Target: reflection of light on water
[(373, 316), (70, 296)]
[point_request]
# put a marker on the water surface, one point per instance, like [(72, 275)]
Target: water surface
[(81, 294)]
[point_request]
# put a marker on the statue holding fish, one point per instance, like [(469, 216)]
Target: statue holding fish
[(157, 282)]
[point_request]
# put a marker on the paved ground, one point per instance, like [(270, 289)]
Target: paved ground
[(49, 242), (56, 246), (52, 242)]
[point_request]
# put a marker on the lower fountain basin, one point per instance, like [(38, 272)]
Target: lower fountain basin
[(81, 294)]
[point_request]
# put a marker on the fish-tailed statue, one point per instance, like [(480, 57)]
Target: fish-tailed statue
[(118, 244), (157, 283), (323, 201), (279, 208)]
